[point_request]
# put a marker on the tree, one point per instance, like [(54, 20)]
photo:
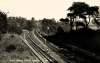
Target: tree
[(79, 24), (32, 19), (12, 29), (60, 29), (82, 9), (96, 20), (19, 30), (33, 22), (72, 16), (3, 22), (12, 25), (92, 12), (29, 25), (19, 20), (51, 23), (66, 20), (79, 9)]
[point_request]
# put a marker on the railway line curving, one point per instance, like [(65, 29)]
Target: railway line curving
[(55, 49), (46, 58)]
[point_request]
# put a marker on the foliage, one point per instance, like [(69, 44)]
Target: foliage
[(82, 10), (60, 29), (87, 39), (33, 22), (29, 25), (10, 48), (16, 24), (78, 7), (20, 21), (19, 30), (3, 22), (51, 23), (64, 20), (12, 29)]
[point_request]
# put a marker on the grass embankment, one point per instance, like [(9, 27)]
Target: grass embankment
[(86, 39), (13, 48)]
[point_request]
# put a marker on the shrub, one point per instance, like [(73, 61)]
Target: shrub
[(87, 39), (10, 48), (12, 36)]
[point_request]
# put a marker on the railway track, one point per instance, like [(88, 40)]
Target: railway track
[(42, 53), (62, 53), (36, 60)]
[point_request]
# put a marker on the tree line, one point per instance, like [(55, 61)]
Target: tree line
[(78, 9), (14, 24), (81, 9)]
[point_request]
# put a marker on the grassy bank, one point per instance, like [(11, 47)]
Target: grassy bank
[(13, 48), (86, 39)]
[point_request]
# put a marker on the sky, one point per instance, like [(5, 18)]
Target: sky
[(40, 9)]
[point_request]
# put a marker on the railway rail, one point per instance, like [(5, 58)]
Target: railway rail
[(36, 60), (85, 55), (62, 53), (42, 53)]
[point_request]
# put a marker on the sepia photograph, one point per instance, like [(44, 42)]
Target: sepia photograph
[(49, 31)]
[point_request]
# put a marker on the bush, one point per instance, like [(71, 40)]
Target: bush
[(10, 48), (60, 29), (19, 30), (12, 36), (87, 39)]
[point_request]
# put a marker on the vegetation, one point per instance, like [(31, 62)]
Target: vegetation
[(29, 25), (49, 23), (82, 10), (83, 38), (19, 21), (13, 49), (16, 24), (3, 22), (11, 46), (60, 30)]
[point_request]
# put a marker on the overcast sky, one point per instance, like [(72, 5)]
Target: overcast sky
[(40, 9)]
